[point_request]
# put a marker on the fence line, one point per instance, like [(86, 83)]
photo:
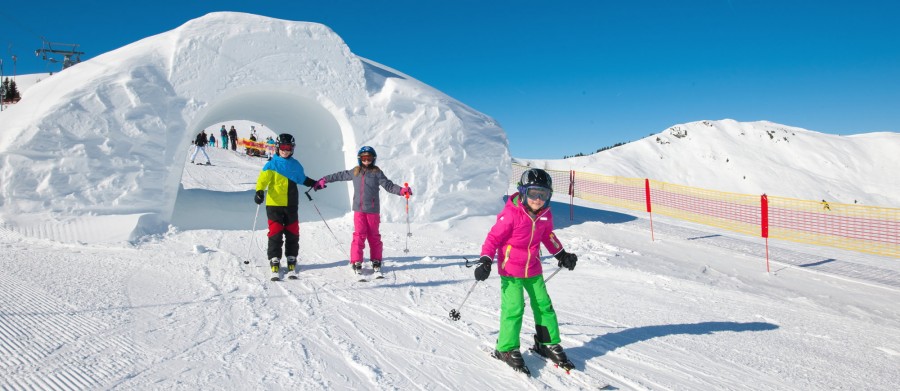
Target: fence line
[(868, 229)]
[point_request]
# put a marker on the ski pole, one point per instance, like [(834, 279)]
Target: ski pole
[(252, 238), (552, 274), (408, 233), (454, 313), (323, 218)]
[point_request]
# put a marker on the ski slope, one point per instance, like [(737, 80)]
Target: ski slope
[(692, 310)]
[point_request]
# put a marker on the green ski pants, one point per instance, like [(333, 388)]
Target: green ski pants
[(512, 307)]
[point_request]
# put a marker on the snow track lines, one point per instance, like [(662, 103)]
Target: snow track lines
[(71, 350)]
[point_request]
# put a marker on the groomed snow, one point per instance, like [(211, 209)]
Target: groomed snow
[(693, 310)]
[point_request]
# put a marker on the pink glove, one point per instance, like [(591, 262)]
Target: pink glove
[(320, 184), (406, 191)]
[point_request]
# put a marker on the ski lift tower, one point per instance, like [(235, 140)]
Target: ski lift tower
[(66, 50)]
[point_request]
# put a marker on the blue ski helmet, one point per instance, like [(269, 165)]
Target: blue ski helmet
[(366, 150), (536, 178)]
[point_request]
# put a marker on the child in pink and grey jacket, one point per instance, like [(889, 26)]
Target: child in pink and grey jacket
[(367, 178)]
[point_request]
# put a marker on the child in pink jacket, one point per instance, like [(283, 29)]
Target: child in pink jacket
[(524, 224)]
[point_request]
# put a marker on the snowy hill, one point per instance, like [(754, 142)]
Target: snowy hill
[(693, 310), (756, 158)]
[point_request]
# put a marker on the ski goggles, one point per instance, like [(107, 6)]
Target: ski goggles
[(286, 147), (538, 193), (366, 158)]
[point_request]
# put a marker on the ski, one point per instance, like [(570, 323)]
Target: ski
[(567, 365), (574, 376), (573, 373)]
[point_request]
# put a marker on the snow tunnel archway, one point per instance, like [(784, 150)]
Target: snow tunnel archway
[(320, 138)]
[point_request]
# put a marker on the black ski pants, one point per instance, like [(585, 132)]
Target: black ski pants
[(284, 228)]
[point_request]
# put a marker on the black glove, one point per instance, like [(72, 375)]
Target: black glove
[(566, 260), (483, 271), (259, 197)]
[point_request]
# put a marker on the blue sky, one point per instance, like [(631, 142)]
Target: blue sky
[(564, 77)]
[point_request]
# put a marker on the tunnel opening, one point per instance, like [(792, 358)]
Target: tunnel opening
[(220, 196)]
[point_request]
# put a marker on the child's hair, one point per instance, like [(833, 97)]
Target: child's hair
[(357, 170)]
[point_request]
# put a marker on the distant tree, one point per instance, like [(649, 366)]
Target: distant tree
[(12, 93), (610, 147), (9, 91)]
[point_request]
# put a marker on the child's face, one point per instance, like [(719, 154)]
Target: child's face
[(537, 197), (535, 203), (285, 153)]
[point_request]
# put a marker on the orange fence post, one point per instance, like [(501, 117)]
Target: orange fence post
[(764, 224), (571, 195), (649, 209)]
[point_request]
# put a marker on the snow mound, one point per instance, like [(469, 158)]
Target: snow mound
[(96, 153)]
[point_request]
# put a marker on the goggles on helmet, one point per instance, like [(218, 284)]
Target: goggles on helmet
[(538, 193), (286, 147), (366, 158)]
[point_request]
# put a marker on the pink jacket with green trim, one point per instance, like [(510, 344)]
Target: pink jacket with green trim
[(514, 240)]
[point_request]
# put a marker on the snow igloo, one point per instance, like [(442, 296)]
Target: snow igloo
[(95, 153)]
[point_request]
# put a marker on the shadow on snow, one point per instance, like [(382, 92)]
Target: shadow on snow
[(603, 344)]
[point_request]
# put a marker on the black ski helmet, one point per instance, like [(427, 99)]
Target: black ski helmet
[(535, 177), (366, 150), (285, 139)]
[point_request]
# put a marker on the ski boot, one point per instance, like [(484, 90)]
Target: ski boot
[(356, 267), (554, 352), (275, 263), (292, 268), (514, 359), (376, 265)]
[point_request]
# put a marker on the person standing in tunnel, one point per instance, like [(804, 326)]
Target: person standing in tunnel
[(200, 146), (277, 186), (223, 134), (232, 134)]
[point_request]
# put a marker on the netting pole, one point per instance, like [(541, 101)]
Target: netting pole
[(764, 224), (649, 210), (571, 195)]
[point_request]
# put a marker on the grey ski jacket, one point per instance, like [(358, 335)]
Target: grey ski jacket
[(365, 187)]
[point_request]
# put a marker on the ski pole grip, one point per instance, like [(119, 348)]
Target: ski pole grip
[(406, 184)]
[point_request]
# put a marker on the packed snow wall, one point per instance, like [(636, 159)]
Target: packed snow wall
[(96, 153)]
